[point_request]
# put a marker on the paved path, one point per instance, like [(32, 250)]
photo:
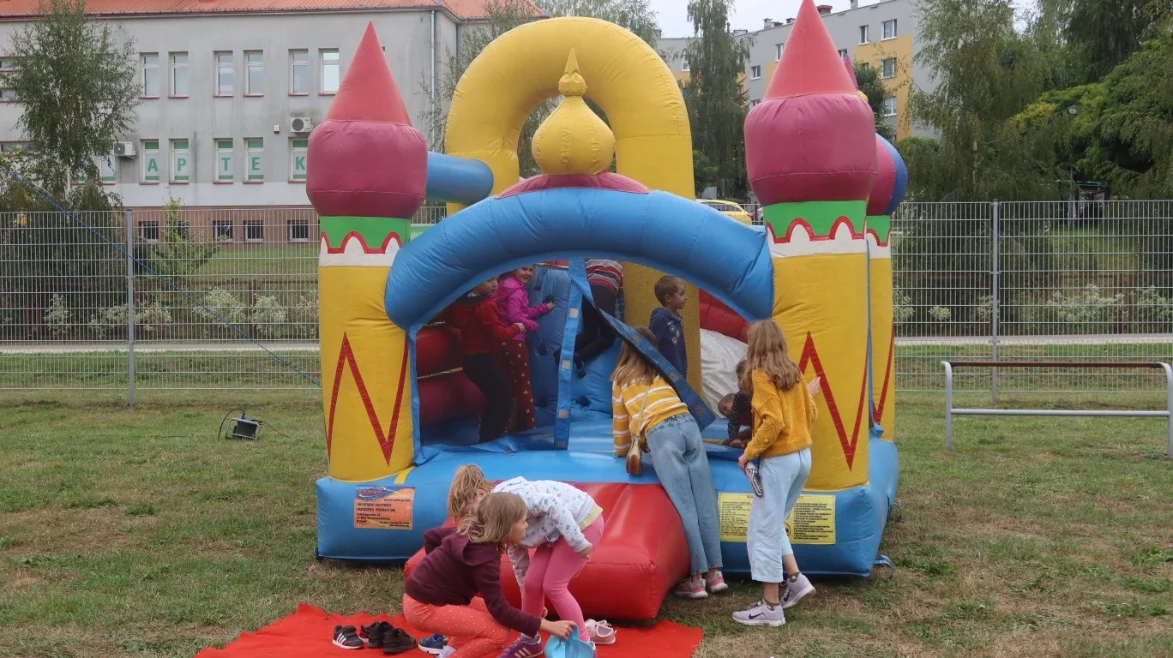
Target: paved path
[(50, 347)]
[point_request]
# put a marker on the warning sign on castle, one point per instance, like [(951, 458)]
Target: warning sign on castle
[(811, 522)]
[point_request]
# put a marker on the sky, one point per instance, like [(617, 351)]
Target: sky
[(748, 14)]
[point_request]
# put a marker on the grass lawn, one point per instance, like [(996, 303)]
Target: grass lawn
[(137, 532)]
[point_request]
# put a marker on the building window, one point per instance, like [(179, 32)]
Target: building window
[(255, 81), (222, 229), (180, 161), (225, 74), (7, 64), (225, 167), (150, 63), (254, 230), (754, 103), (256, 150), (888, 68), (843, 55), (890, 29), (864, 37), (148, 231), (331, 71), (778, 51), (299, 72), (299, 230), (150, 160), (890, 106), (297, 159), (180, 86), (7, 94), (755, 72), (107, 172), (14, 147), (685, 66), (7, 67)]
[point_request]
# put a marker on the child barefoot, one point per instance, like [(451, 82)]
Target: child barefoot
[(441, 595), (481, 330), (736, 409), (513, 303), (783, 412), (647, 409), (564, 525)]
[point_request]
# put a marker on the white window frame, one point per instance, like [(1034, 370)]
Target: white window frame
[(181, 148), (250, 223), (685, 66), (176, 67), (294, 65), (218, 224), (322, 65), (778, 48), (298, 146), (843, 54), (152, 69), (890, 106), (884, 73), (254, 148), (249, 67), (151, 155), (223, 67), (865, 34), (151, 226), (884, 29), (755, 72), (289, 226), (225, 150)]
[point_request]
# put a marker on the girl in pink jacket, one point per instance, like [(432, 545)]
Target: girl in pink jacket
[(513, 300)]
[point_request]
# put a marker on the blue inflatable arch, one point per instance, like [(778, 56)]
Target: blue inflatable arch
[(722, 256)]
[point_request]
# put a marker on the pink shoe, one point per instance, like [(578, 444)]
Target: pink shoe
[(690, 589), (718, 584), (600, 632)]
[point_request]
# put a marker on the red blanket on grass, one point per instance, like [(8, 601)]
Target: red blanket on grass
[(307, 634)]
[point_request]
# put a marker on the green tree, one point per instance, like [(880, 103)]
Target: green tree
[(714, 95), (987, 71), (872, 87), (1103, 33), (77, 83), (178, 253), (635, 15)]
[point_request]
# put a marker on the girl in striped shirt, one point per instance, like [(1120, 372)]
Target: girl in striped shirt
[(647, 409)]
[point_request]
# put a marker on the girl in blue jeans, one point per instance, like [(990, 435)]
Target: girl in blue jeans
[(645, 408)]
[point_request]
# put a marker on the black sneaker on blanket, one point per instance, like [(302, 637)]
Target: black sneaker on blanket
[(346, 638)]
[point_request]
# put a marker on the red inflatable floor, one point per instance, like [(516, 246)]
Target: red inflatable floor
[(306, 634)]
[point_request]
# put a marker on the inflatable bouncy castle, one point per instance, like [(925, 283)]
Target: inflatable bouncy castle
[(400, 414)]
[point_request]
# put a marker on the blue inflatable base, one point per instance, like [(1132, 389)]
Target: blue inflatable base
[(384, 520)]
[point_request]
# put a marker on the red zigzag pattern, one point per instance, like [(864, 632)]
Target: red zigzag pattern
[(810, 355), (386, 440)]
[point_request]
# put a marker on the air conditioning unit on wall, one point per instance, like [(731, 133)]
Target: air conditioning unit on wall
[(300, 125), (124, 150)]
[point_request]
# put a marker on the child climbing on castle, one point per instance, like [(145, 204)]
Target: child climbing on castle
[(513, 355), (456, 590), (477, 317), (647, 410), (783, 413), (736, 409), (564, 524)]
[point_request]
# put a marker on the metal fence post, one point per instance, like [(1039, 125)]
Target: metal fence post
[(130, 305), (994, 311), (948, 406)]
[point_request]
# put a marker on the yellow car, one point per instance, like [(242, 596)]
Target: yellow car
[(729, 208)]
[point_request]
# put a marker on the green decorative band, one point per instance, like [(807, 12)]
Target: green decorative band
[(881, 225), (819, 218), (373, 231)]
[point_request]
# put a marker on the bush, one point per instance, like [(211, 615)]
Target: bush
[(268, 316), (112, 321)]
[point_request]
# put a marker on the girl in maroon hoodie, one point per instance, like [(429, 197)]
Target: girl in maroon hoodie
[(481, 330), (441, 595)]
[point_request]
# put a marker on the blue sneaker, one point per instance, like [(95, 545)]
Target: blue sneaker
[(433, 644)]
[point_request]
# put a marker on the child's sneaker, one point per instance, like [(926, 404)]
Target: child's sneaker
[(447, 652), (690, 589), (524, 647), (346, 638), (600, 632), (795, 591), (717, 584), (761, 614), (397, 640), (434, 644)]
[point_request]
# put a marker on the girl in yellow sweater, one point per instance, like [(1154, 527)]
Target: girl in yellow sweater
[(645, 408), (783, 412)]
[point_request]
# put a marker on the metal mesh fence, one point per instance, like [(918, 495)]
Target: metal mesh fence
[(1027, 281)]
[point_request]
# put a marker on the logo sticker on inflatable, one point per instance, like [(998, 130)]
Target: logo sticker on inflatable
[(384, 507)]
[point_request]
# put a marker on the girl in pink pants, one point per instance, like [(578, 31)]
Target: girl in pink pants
[(564, 524)]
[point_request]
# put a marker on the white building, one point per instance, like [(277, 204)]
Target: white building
[(231, 88)]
